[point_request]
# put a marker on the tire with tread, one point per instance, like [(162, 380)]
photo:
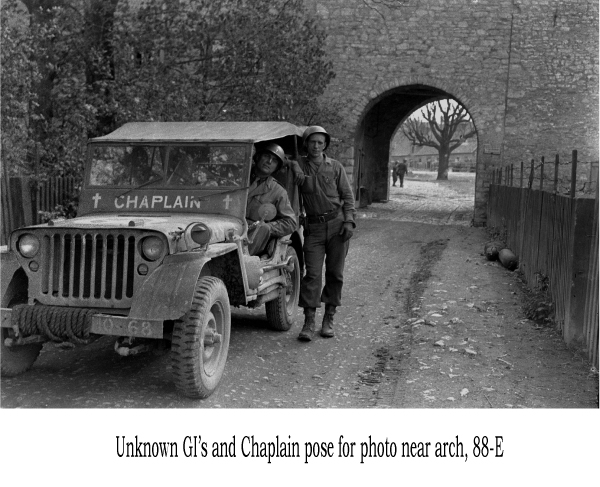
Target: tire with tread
[(198, 359), (280, 311)]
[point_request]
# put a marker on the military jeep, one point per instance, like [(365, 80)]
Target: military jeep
[(158, 253)]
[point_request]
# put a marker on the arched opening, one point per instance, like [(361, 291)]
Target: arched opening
[(379, 124)]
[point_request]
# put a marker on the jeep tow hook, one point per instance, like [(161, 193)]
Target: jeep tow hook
[(126, 346), (20, 340)]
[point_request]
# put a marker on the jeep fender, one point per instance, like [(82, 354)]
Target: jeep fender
[(167, 293), (13, 280)]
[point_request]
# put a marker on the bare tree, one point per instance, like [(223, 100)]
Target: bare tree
[(445, 128)]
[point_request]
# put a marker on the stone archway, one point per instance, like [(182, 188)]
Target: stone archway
[(375, 130)]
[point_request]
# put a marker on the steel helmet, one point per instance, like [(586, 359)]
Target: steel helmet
[(315, 129), (274, 149)]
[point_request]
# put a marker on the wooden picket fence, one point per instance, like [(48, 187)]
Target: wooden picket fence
[(23, 200), (555, 238), (590, 324)]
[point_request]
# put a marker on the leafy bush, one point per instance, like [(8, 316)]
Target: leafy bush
[(75, 69)]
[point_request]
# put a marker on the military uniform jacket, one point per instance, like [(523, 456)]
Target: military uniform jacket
[(328, 189), (400, 168), (270, 191)]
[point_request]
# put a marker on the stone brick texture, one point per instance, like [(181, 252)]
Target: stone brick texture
[(526, 70)]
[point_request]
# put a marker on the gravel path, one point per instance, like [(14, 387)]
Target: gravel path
[(425, 200)]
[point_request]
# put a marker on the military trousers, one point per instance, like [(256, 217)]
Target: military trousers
[(323, 244)]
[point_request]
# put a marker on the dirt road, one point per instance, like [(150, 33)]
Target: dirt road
[(427, 322)]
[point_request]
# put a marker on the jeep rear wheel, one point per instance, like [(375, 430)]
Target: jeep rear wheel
[(201, 340), (280, 311)]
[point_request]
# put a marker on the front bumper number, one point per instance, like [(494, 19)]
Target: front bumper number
[(125, 326)]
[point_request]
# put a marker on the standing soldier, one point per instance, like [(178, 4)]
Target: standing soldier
[(329, 224)]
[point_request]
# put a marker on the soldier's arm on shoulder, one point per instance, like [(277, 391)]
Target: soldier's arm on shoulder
[(297, 171)]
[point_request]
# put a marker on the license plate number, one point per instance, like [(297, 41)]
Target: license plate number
[(123, 326)]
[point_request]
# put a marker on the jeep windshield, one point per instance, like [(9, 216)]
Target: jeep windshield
[(198, 166)]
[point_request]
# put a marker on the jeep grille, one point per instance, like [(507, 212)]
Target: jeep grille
[(85, 268)]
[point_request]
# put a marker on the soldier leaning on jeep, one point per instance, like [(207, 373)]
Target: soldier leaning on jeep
[(265, 189)]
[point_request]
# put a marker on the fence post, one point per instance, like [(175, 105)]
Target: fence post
[(542, 175), (511, 174), (35, 185), (573, 173), (521, 181), (8, 218), (530, 184), (556, 174), (499, 176)]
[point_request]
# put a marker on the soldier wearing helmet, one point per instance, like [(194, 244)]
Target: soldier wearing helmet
[(328, 226), (265, 189)]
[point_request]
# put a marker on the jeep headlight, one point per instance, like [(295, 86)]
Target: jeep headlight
[(28, 245), (197, 234), (152, 248)]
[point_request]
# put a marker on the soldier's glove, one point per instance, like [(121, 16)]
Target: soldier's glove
[(346, 231)]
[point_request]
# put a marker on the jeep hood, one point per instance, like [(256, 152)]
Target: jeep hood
[(220, 225)]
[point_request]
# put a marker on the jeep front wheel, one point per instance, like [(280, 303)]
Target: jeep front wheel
[(201, 340), (280, 311), (17, 359)]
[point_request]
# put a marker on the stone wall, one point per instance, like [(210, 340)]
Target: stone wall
[(526, 70)]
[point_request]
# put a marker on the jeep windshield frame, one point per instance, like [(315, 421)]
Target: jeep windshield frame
[(182, 165)]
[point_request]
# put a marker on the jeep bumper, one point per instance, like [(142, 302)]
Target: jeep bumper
[(102, 324)]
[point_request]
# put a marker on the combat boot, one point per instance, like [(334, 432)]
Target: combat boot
[(327, 327), (308, 330)]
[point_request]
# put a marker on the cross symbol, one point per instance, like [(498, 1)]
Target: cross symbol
[(96, 198), (227, 200)]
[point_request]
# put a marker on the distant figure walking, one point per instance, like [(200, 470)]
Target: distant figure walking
[(400, 169)]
